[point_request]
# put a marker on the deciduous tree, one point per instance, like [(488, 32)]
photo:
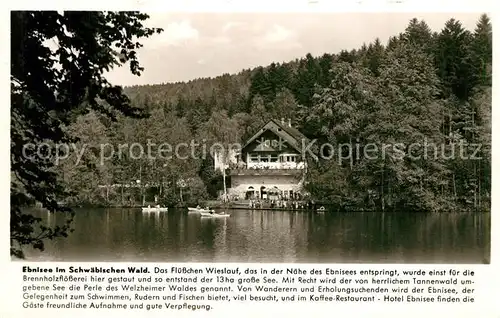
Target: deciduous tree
[(57, 67)]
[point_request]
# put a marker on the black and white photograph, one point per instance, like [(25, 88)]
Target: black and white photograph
[(250, 137)]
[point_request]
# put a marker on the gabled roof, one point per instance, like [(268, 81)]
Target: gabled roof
[(291, 135), (294, 132)]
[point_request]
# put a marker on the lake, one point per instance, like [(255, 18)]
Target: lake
[(129, 235)]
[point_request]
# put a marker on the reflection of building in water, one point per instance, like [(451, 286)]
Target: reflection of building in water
[(220, 239), (270, 165), (286, 234)]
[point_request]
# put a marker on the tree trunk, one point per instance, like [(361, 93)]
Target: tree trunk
[(382, 198), (389, 193), (479, 185), (449, 129), (475, 185), (454, 187), (161, 187), (475, 165), (224, 183)]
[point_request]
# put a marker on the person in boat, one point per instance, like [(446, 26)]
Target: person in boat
[(198, 207)]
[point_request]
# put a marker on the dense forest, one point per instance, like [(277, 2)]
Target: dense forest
[(421, 86)]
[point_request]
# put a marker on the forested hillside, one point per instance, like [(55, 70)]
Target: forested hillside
[(421, 87)]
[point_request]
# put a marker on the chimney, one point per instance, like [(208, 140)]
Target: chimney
[(289, 122), (282, 121)]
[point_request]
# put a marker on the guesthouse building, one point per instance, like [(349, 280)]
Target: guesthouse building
[(270, 165)]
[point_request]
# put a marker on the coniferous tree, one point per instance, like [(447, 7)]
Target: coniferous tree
[(453, 60), (481, 51)]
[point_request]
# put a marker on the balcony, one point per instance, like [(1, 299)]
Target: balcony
[(267, 169)]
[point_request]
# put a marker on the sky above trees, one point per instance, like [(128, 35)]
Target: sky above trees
[(196, 45)]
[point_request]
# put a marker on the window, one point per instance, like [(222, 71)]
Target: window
[(273, 158), (264, 159), (254, 157)]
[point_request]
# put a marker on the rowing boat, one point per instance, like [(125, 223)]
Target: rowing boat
[(198, 210), (214, 215), (154, 209)]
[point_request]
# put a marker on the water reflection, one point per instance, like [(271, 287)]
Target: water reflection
[(267, 236)]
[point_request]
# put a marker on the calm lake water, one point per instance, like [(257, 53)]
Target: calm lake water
[(270, 236)]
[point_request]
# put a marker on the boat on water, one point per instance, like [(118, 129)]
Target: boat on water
[(214, 215), (154, 209), (321, 210), (199, 210)]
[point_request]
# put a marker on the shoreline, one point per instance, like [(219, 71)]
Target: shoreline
[(303, 210)]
